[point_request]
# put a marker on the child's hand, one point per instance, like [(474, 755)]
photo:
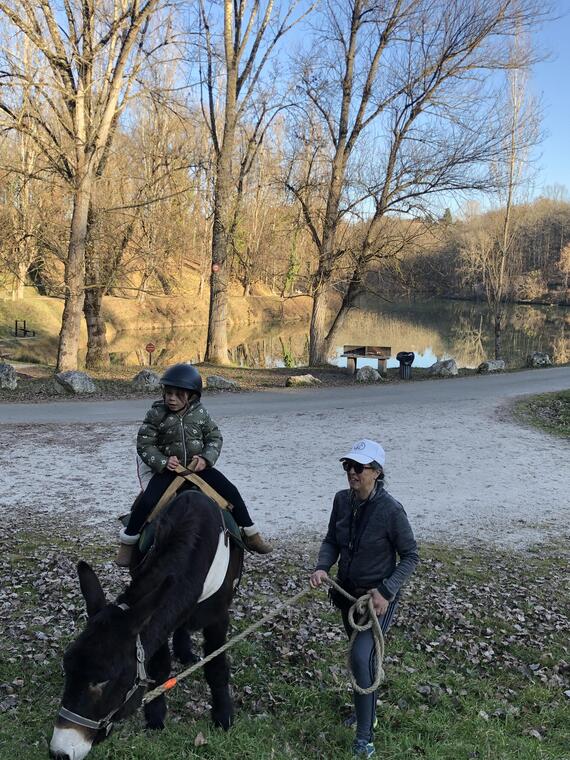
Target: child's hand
[(172, 463), (199, 463)]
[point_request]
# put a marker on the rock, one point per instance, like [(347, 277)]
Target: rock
[(74, 382), (538, 359), (368, 375), (492, 365), (218, 383), (297, 381), (444, 368), (8, 377), (146, 380)]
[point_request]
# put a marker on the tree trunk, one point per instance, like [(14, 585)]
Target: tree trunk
[(217, 341), (97, 348), (74, 278), (348, 301), (498, 335), (19, 281), (317, 330)]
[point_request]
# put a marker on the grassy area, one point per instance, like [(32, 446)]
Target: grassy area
[(477, 664), (548, 411)]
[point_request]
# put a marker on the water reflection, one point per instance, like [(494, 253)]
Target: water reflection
[(433, 330)]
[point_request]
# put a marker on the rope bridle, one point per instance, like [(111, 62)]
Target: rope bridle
[(106, 723)]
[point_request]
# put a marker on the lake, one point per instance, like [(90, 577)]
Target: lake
[(434, 329)]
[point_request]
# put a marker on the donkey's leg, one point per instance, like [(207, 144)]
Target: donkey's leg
[(182, 646), (217, 673), (158, 671)]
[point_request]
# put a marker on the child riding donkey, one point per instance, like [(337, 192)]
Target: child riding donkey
[(179, 431)]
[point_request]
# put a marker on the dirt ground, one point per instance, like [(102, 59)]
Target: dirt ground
[(464, 470)]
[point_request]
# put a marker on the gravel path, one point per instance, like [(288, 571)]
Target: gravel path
[(463, 470)]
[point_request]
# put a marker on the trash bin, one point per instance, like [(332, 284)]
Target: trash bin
[(406, 359)]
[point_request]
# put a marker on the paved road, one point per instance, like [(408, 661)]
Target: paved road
[(464, 471), (486, 389)]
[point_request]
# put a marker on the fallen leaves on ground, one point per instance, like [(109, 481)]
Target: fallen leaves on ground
[(474, 614)]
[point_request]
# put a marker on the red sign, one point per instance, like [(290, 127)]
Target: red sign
[(215, 267), (150, 347)]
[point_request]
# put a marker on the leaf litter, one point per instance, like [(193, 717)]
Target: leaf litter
[(471, 615)]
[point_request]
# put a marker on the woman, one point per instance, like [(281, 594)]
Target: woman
[(370, 536)]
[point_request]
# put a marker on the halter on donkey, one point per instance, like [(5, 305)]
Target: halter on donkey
[(124, 647)]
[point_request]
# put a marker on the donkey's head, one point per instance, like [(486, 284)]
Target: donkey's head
[(104, 670)]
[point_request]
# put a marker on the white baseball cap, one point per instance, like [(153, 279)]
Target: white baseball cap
[(366, 451)]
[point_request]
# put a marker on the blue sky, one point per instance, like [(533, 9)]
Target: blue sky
[(551, 80)]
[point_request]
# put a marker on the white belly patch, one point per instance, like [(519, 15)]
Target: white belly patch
[(218, 569)]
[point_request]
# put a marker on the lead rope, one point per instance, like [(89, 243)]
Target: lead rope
[(368, 620), (363, 606)]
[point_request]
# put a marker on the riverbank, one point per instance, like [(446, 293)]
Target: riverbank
[(35, 384), (156, 314)]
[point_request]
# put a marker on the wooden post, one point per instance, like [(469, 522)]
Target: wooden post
[(382, 366), (351, 364)]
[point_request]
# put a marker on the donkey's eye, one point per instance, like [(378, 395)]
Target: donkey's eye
[(96, 689)]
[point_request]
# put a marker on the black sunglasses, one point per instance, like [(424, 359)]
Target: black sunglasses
[(349, 464)]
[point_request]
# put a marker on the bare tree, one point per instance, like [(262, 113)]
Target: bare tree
[(494, 253), (250, 36), (401, 88), (89, 55)]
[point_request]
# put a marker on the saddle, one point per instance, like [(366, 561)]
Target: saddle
[(186, 475)]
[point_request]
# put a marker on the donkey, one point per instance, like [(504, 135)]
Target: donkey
[(124, 646)]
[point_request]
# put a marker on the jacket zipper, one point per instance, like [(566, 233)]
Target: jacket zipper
[(183, 441)]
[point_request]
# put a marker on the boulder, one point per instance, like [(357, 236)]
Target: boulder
[(146, 380), (492, 365), (297, 381), (444, 368), (368, 375), (8, 377), (75, 382), (218, 383), (538, 359)]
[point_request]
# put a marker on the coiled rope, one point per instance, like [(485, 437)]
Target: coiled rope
[(362, 606)]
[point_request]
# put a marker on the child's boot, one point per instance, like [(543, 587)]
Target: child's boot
[(123, 558), (255, 542)]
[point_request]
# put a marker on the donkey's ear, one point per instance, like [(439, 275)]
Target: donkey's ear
[(91, 589), (147, 606)]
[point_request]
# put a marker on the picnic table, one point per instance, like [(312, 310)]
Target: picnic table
[(353, 353)]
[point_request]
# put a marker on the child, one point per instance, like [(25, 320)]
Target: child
[(178, 431)]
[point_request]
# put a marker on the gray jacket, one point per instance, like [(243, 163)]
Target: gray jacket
[(373, 542)]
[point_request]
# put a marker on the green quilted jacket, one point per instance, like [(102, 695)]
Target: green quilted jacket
[(164, 434)]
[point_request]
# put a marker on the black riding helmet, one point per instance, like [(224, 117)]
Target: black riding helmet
[(183, 376)]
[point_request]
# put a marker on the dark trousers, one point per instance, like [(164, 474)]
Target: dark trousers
[(160, 482), (363, 663)]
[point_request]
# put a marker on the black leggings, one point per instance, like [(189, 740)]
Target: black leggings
[(158, 484)]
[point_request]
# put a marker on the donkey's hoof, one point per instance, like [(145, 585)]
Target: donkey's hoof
[(223, 720)]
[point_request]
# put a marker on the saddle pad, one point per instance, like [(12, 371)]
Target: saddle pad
[(218, 569)]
